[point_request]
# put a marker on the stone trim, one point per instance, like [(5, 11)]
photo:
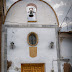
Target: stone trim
[(4, 51), (5, 54), (31, 4), (32, 26)]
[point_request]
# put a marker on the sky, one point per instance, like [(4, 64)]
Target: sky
[(63, 9)]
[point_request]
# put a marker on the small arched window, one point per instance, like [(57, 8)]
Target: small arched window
[(32, 39), (31, 12)]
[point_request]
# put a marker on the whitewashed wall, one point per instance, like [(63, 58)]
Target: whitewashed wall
[(66, 50), (21, 52), (17, 15)]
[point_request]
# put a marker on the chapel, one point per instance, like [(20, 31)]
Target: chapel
[(32, 40)]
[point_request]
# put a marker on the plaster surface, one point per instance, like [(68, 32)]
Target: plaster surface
[(21, 52)]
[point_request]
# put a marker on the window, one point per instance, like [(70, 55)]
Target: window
[(32, 39)]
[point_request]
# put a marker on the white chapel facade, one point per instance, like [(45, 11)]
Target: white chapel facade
[(30, 40)]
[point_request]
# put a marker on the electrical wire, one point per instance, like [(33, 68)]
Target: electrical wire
[(66, 15)]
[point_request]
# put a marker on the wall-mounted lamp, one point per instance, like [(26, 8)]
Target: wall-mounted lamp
[(52, 45), (12, 45)]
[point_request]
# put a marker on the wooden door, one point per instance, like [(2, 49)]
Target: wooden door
[(32, 67), (67, 67)]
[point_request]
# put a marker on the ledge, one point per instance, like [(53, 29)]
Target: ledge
[(65, 34), (32, 21)]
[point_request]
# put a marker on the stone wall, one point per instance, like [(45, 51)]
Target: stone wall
[(0, 29)]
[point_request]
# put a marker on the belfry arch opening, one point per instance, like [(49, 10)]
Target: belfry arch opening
[(31, 12)]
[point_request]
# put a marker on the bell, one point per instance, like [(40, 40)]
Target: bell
[(31, 13)]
